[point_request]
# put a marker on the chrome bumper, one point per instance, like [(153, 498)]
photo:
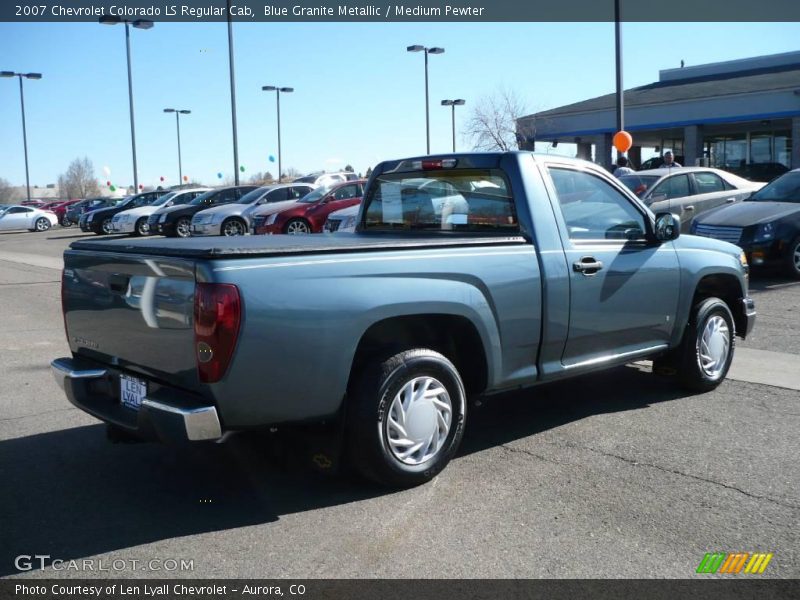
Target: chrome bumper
[(158, 418)]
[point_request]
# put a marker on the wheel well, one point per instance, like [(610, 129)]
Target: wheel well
[(453, 336), (727, 289)]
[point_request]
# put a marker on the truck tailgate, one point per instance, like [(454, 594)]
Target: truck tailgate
[(132, 312)]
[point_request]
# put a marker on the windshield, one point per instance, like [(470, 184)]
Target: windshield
[(638, 184), (164, 199), (3, 209), (466, 200), (785, 188), (254, 196), (201, 199), (316, 195)]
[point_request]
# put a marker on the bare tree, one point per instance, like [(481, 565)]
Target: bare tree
[(79, 180), (262, 178), (493, 123), (6, 192), (290, 174)]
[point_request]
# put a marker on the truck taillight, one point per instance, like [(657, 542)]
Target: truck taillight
[(217, 315), (64, 301)]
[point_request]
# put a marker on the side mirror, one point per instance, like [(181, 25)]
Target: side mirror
[(667, 227)]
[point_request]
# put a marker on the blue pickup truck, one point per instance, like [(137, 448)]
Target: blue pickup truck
[(468, 274)]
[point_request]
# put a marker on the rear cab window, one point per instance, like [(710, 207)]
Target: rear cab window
[(462, 200)]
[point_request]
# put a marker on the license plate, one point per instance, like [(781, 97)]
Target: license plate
[(132, 391)]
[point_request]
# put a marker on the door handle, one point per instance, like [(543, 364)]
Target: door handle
[(730, 200), (689, 208), (587, 266)]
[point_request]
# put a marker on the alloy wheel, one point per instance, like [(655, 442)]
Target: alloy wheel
[(183, 227), (233, 227), (297, 227)]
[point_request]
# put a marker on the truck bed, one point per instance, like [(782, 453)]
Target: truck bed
[(268, 245)]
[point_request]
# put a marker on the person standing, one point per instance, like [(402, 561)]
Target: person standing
[(622, 167), (669, 161)]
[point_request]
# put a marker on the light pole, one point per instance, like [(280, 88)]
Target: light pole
[(426, 51), (24, 132), (178, 113), (452, 104), (278, 90), (232, 78), (138, 24)]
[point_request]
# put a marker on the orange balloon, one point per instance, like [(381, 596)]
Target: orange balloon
[(623, 141)]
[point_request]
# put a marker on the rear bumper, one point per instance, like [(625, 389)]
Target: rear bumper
[(168, 416)]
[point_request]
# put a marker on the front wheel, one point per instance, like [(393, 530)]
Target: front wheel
[(233, 227), (183, 228), (793, 259), (297, 227), (105, 227), (41, 224), (142, 228), (406, 417), (707, 348)]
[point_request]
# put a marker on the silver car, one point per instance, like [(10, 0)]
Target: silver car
[(134, 221), (688, 191), (235, 219)]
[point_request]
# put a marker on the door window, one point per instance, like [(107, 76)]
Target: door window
[(672, 187), (17, 210), (347, 191), (224, 197), (708, 183), (593, 209)]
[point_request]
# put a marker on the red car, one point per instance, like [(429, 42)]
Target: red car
[(309, 213), (60, 210)]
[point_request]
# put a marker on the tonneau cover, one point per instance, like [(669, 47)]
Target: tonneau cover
[(276, 245)]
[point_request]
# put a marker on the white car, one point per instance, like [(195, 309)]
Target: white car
[(342, 220), (326, 179), (26, 217), (235, 219), (134, 221)]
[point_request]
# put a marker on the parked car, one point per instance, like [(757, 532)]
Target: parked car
[(60, 210), (326, 179), (77, 210), (87, 218), (383, 335), (175, 221), (100, 221), (308, 214), (133, 221), (688, 191), (342, 221), (32, 203), (766, 225), (17, 216), (235, 219)]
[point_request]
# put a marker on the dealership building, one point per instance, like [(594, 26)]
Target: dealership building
[(727, 114)]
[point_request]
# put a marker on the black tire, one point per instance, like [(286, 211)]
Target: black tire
[(297, 227), (65, 222), (105, 227), (41, 224), (183, 227), (793, 259), (231, 224), (691, 373), (371, 397), (139, 228)]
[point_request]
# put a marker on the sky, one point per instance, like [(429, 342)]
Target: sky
[(359, 96)]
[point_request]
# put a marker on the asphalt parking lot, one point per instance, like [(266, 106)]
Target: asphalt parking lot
[(615, 475)]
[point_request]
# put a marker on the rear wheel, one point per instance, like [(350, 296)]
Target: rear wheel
[(706, 351), (141, 227), (65, 222), (233, 227), (793, 259), (406, 417), (183, 228), (41, 224), (297, 227)]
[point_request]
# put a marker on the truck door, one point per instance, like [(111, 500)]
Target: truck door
[(623, 286)]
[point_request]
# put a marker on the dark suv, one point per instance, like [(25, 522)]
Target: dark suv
[(175, 221), (99, 221)]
